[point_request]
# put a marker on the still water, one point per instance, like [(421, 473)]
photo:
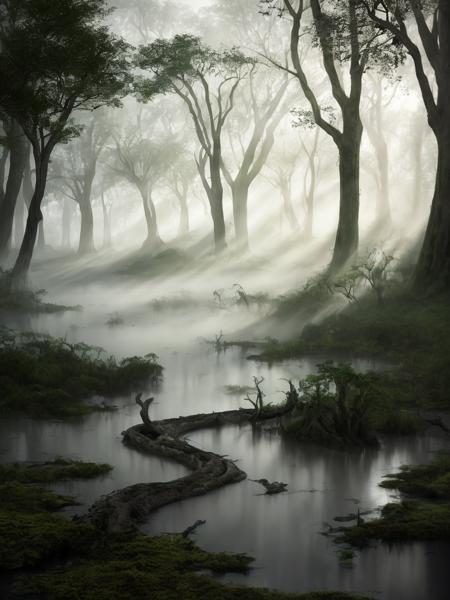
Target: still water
[(282, 532)]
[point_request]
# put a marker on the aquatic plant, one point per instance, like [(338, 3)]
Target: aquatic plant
[(334, 406), (45, 376)]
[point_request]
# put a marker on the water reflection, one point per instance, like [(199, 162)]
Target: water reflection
[(281, 532)]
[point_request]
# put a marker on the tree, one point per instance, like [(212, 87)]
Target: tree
[(432, 20), (179, 180), (375, 127), (281, 175), (256, 134), (206, 80), (56, 57), (143, 163), (344, 35), (17, 145), (78, 171)]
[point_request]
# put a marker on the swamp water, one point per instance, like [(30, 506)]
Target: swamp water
[(282, 532)]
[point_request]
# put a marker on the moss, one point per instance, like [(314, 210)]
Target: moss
[(18, 497), (47, 377), (425, 481), (412, 520), (407, 521), (122, 581), (95, 565), (58, 470), (28, 540), (411, 332), (156, 568)]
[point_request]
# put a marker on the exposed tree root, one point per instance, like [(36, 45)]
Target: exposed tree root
[(126, 508)]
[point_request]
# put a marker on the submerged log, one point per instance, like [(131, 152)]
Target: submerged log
[(126, 508), (275, 487)]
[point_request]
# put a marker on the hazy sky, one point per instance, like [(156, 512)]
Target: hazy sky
[(196, 3)]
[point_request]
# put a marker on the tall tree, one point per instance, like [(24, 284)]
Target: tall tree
[(206, 80), (143, 163), (261, 111), (432, 21), (179, 180), (55, 57), (380, 97), (343, 35), (78, 170), (17, 144)]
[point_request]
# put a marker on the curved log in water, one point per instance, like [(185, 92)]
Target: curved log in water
[(126, 508)]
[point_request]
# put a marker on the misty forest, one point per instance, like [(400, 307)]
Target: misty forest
[(224, 299)]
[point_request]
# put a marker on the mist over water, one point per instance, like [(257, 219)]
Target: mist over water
[(151, 265)]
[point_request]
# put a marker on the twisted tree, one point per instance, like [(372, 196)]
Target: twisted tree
[(206, 81)]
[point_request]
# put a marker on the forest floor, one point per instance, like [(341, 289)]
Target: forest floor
[(410, 333)]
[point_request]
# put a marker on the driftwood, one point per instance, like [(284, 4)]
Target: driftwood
[(126, 508), (192, 529), (276, 487)]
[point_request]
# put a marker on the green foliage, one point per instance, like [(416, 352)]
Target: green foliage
[(45, 376), (183, 57), (407, 521), (410, 332), (110, 566), (28, 540), (157, 568), (57, 57), (18, 497), (426, 481), (59, 469), (334, 406), (412, 520)]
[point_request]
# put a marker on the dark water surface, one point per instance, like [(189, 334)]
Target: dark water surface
[(282, 532)]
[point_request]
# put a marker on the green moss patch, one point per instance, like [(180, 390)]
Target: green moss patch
[(413, 519), (58, 470), (407, 521), (425, 481), (160, 568), (48, 377)]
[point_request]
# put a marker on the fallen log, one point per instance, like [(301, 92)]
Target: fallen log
[(126, 508)]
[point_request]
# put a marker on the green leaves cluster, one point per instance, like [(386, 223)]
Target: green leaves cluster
[(184, 58), (57, 57), (48, 377)]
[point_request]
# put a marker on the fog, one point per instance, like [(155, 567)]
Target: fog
[(247, 201)]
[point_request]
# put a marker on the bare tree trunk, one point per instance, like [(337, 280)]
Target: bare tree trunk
[(153, 237), (17, 161), (107, 237), (184, 225), (19, 220), (239, 192), (417, 191), (288, 209), (86, 243), (216, 198), (67, 212), (347, 237), (3, 161), (23, 261), (433, 268)]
